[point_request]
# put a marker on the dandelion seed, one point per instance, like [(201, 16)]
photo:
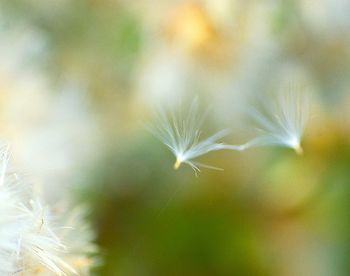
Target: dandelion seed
[(281, 122), (181, 133)]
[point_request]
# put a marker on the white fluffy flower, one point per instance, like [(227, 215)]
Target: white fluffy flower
[(30, 242), (281, 120), (181, 132), (29, 245), (39, 247), (9, 226), (44, 250), (52, 124), (79, 238)]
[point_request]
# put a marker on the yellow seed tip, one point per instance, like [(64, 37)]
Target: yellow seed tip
[(177, 164)]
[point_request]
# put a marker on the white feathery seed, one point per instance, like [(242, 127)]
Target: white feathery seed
[(181, 132), (281, 121)]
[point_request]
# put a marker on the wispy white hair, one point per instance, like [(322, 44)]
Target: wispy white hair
[(280, 118)]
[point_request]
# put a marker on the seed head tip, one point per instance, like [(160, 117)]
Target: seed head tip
[(177, 164)]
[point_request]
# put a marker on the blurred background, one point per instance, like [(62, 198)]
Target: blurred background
[(78, 80)]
